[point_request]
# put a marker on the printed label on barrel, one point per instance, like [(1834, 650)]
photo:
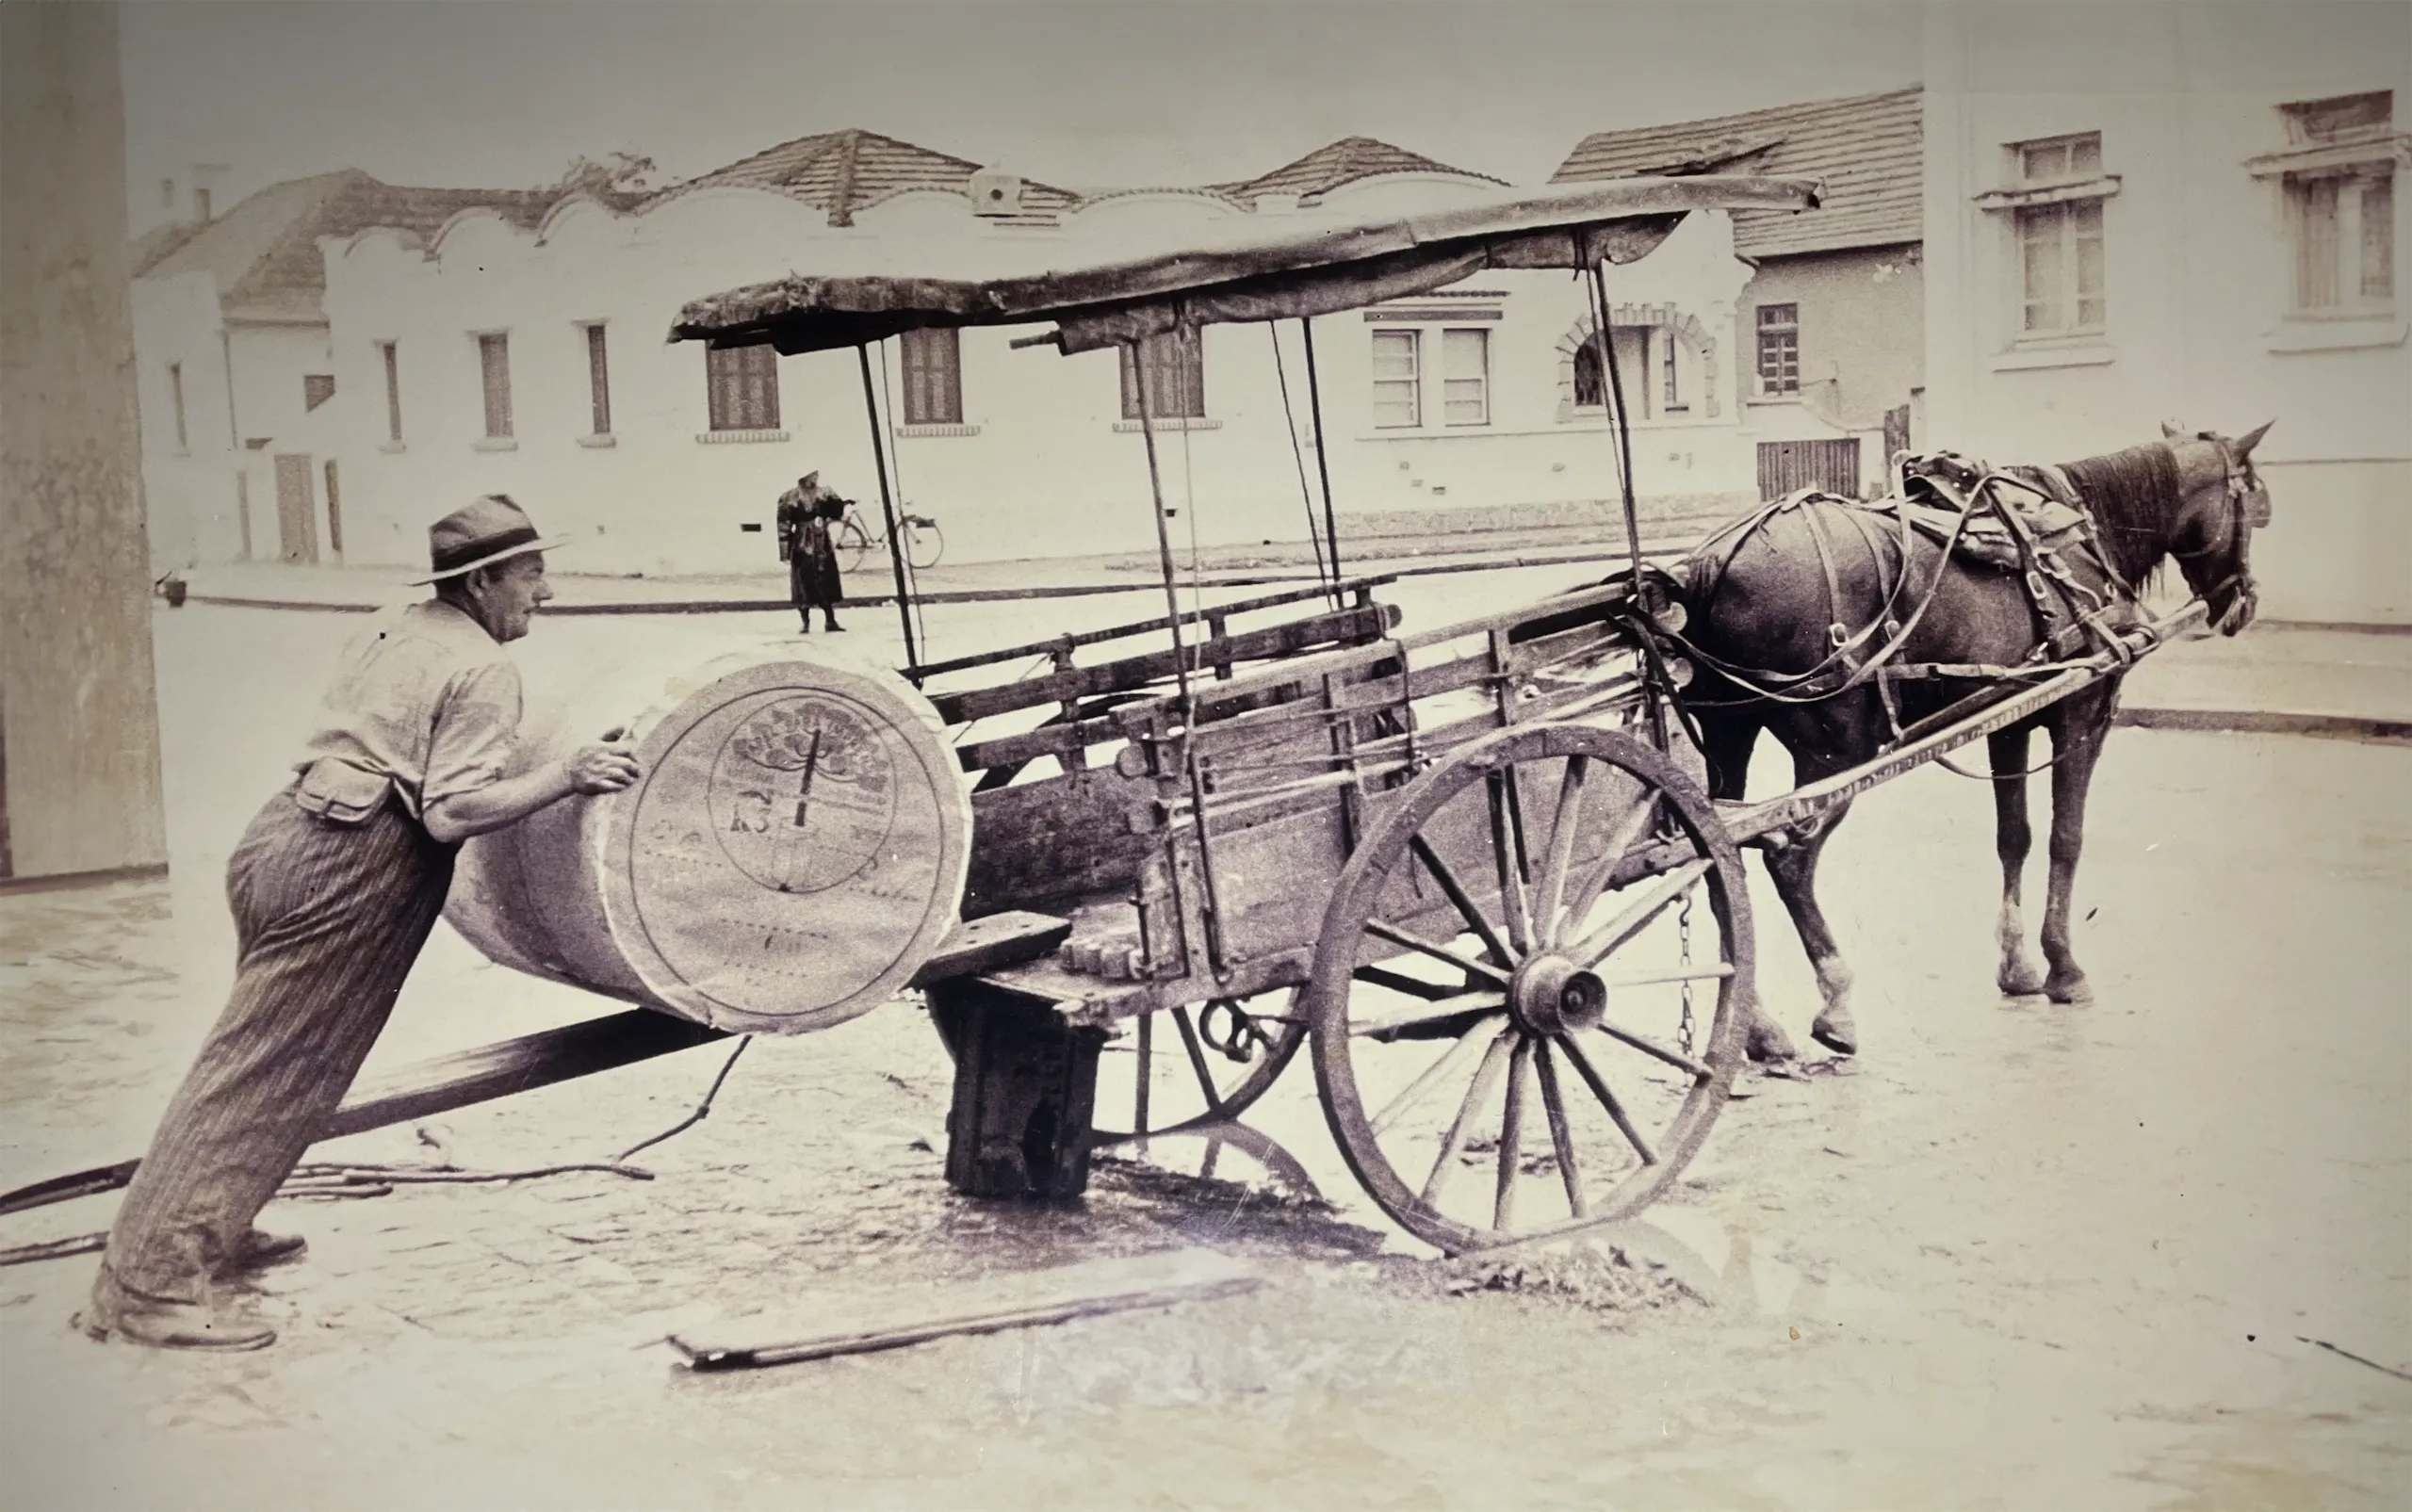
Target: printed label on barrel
[(790, 848), (803, 796)]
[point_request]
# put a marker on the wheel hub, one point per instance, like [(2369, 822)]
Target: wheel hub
[(1549, 996)]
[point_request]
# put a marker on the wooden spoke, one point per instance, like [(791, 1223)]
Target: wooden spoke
[(1399, 982), (1147, 1071), (1593, 948), (1651, 1046), (1380, 930), (1549, 898), (1561, 1139), (1463, 901), (1698, 973), (1479, 1036), (1507, 856), (1585, 825), (1486, 1001), (1585, 893), (1197, 1060), (1511, 1135), (1590, 1075), (1494, 1059)]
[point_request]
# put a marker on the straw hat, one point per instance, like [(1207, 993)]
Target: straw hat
[(478, 535)]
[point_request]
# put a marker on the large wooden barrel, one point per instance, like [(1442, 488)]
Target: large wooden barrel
[(796, 849)]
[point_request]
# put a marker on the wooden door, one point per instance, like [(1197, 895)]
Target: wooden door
[(1896, 436), (297, 524), (1787, 466)]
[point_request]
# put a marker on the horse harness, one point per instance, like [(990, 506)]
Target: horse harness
[(2070, 615)]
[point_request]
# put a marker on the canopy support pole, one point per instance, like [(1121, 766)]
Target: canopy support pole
[(888, 511), (1623, 424), (1163, 538), (1323, 453)]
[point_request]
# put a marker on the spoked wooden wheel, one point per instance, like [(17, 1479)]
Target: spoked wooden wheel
[(1539, 921), (1186, 1067)]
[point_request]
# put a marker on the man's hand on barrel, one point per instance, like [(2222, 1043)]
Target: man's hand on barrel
[(605, 767)]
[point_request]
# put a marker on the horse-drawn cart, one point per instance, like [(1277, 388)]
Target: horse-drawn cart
[(1474, 866)]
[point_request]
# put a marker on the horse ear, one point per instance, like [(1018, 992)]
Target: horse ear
[(2245, 444), (2172, 431)]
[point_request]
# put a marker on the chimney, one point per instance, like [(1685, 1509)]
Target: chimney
[(206, 178)]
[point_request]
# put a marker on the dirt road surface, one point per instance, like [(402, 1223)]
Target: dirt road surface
[(2016, 1256)]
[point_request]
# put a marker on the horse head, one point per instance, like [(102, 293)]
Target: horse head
[(2222, 501)]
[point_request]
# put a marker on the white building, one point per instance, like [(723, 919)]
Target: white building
[(1833, 313), (502, 350), (2183, 210), (235, 361)]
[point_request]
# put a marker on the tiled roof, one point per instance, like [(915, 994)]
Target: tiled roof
[(1345, 161), (844, 173), (264, 252), (1866, 148)]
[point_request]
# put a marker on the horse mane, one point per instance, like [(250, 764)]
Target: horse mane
[(2134, 496)]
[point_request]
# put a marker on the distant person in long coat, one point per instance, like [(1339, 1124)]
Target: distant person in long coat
[(335, 889), (806, 512)]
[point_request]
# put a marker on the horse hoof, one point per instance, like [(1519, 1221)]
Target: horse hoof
[(2077, 992), (1836, 1032), (2022, 982), (1767, 1043)]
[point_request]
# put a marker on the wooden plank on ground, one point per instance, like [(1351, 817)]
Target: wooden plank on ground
[(863, 1323)]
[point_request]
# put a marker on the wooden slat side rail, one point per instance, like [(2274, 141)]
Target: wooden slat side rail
[(1552, 614), (1347, 627), (1246, 605)]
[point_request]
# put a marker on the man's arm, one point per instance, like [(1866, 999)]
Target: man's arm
[(601, 768)]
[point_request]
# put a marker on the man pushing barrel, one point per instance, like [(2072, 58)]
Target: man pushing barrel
[(335, 889)]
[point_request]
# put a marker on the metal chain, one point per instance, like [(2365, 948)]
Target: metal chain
[(1684, 932)]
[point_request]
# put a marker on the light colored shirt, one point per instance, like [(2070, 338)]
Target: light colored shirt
[(424, 700)]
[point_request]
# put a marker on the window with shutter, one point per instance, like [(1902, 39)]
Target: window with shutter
[(599, 379), (743, 387), (494, 365), (1465, 376), (1779, 333), (1174, 363), (933, 377), (393, 392), (1397, 380), (2059, 244)]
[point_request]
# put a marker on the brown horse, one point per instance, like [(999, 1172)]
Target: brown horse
[(1782, 614)]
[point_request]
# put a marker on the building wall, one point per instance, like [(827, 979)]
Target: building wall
[(79, 737), (188, 470), (270, 362), (2197, 258), (1044, 462), (1862, 318)]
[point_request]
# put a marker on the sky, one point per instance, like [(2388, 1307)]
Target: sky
[(1081, 94)]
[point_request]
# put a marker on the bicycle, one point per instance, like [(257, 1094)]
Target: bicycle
[(853, 537)]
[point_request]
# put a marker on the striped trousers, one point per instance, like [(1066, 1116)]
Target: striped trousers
[(329, 919)]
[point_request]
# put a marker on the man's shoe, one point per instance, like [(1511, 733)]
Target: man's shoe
[(116, 1313), (259, 1248), (181, 1326)]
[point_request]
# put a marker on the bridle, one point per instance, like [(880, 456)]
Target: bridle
[(2248, 507)]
